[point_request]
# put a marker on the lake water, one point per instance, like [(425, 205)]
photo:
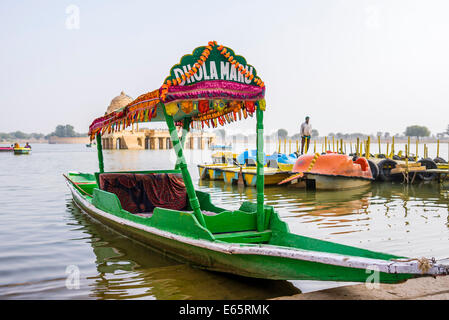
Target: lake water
[(44, 236)]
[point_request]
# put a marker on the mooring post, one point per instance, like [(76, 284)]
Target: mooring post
[(416, 156), (378, 142), (408, 145), (438, 148), (392, 147), (367, 150)]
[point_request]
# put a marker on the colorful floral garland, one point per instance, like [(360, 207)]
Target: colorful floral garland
[(204, 55), (210, 112)]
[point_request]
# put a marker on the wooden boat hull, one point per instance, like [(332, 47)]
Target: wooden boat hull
[(268, 261)]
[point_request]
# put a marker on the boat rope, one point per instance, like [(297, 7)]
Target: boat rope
[(424, 264)]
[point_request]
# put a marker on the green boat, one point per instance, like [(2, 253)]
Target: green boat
[(161, 208)]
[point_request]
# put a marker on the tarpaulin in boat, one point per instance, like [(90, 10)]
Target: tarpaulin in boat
[(143, 192), (165, 190)]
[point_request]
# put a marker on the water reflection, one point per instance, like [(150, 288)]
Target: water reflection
[(41, 232), (127, 269)]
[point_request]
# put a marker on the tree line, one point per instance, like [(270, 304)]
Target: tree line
[(60, 131), (410, 131)]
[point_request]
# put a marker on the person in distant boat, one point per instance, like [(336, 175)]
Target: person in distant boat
[(16, 145), (306, 134), (27, 146)]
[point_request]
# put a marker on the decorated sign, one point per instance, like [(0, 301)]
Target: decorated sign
[(214, 67), (212, 86), (212, 72)]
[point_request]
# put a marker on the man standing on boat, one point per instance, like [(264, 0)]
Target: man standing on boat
[(306, 134)]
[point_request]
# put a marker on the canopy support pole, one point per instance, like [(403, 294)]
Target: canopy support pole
[(185, 130), (100, 153), (260, 172), (181, 164)]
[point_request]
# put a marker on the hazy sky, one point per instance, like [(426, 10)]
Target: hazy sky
[(351, 65)]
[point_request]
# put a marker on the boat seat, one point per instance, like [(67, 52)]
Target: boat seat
[(141, 193), (251, 236)]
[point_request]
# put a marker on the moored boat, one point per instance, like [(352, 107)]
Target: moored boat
[(330, 171), (286, 162), (220, 147), (162, 208), (22, 150), (223, 157)]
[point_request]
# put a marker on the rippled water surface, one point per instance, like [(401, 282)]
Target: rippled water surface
[(42, 232)]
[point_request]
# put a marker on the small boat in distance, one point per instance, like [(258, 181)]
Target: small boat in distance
[(22, 150), (6, 149)]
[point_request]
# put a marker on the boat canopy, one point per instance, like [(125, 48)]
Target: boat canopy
[(211, 86)]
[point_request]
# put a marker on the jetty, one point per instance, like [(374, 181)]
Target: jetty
[(395, 164)]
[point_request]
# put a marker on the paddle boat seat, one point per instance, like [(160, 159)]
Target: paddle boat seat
[(141, 193)]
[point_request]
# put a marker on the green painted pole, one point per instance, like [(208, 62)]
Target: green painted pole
[(185, 130), (193, 199), (260, 173), (100, 153)]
